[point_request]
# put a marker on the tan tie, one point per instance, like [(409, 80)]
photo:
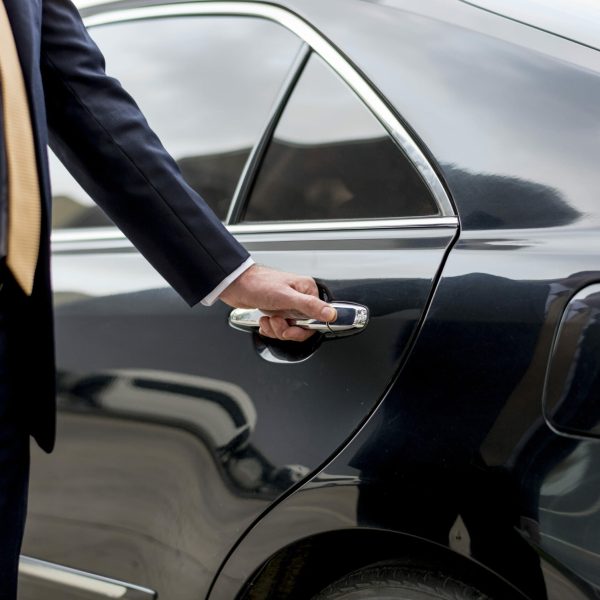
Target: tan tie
[(24, 205)]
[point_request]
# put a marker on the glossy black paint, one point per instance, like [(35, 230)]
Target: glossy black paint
[(470, 442), (190, 465), (179, 417)]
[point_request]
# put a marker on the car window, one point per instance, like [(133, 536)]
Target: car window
[(206, 85), (330, 158)]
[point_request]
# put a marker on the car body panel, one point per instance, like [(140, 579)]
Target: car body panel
[(139, 417), (442, 447)]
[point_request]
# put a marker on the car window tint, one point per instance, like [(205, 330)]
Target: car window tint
[(206, 85), (330, 158)]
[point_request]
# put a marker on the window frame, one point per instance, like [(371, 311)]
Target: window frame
[(261, 149), (313, 41)]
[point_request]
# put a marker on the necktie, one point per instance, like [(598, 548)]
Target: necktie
[(24, 206)]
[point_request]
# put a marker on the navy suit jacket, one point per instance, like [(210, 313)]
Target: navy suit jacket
[(98, 131)]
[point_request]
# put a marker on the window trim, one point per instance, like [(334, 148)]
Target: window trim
[(340, 65), (69, 579), (106, 238), (260, 148)]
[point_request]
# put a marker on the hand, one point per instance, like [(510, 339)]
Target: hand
[(283, 296)]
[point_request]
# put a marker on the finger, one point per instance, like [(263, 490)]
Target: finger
[(297, 334), (265, 328), (279, 326), (312, 307)]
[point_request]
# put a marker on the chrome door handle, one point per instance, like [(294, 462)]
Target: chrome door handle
[(351, 318)]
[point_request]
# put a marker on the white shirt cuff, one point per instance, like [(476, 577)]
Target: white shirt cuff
[(211, 298)]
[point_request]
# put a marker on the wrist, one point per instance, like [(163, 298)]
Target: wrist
[(218, 291)]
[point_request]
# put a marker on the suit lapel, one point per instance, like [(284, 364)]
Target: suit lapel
[(25, 19)]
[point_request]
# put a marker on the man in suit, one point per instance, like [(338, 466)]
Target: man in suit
[(54, 89)]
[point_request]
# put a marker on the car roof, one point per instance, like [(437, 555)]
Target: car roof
[(576, 20)]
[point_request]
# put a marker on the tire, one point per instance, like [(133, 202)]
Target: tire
[(398, 583)]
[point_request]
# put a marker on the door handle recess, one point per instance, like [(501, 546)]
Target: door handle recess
[(351, 318)]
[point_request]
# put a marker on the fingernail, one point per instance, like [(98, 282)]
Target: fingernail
[(328, 314)]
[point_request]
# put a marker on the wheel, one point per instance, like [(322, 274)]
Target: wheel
[(398, 583)]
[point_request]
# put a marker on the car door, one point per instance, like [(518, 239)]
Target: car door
[(177, 431)]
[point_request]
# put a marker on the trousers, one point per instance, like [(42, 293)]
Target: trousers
[(14, 466)]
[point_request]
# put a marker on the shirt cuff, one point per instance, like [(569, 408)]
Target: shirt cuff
[(211, 298)]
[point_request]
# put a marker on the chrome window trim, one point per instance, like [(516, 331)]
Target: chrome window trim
[(259, 150), (107, 237), (350, 225), (81, 4), (335, 60), (103, 587), (87, 234)]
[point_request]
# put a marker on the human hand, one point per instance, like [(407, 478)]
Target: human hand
[(283, 296)]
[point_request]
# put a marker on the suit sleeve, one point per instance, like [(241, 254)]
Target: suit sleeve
[(100, 134)]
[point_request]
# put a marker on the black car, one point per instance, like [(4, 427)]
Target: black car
[(435, 165)]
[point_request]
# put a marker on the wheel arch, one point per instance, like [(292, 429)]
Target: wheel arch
[(317, 525), (304, 567)]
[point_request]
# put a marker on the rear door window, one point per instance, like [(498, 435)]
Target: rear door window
[(206, 84)]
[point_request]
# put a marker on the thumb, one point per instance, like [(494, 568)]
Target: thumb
[(313, 307)]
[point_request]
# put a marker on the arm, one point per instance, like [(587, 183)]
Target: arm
[(99, 133), (97, 130)]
